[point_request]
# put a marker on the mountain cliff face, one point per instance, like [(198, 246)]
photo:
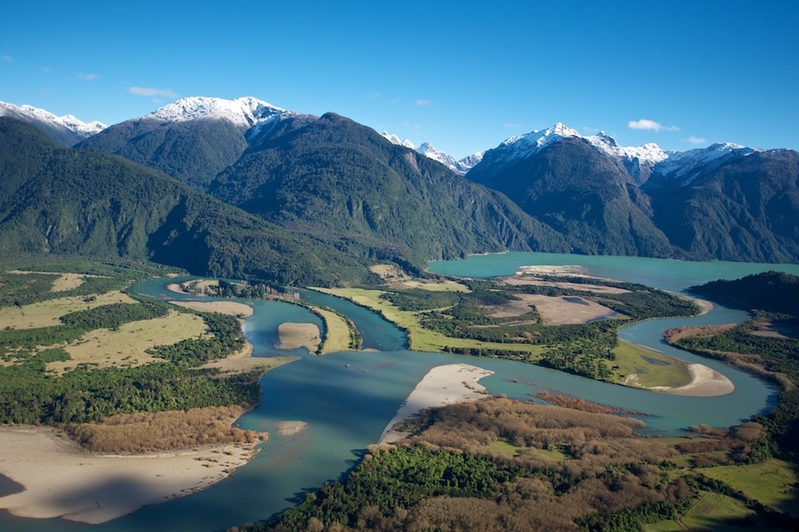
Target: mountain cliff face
[(376, 197), (579, 191), (63, 201)]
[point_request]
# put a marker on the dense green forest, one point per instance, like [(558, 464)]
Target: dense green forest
[(30, 394), (502, 465)]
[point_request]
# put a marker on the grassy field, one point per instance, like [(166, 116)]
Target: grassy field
[(659, 370), (337, 332), (126, 346), (713, 510), (419, 338), (771, 482), (46, 313), (433, 286)]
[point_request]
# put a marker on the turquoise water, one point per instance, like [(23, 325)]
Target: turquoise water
[(348, 398)]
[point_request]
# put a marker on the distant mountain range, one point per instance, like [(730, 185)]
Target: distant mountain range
[(65, 130), (374, 198)]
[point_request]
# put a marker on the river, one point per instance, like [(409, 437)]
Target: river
[(348, 398)]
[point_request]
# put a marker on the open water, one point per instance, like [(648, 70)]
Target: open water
[(348, 398)]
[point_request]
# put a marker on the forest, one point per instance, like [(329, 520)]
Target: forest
[(505, 465), (86, 393)]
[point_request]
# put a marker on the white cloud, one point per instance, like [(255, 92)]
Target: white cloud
[(421, 102), (147, 91), (6, 58), (87, 77), (650, 125), (511, 125), (696, 140)]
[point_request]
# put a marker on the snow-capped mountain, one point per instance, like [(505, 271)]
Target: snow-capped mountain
[(393, 139), (639, 160), (246, 111), (458, 166), (683, 166), (66, 130)]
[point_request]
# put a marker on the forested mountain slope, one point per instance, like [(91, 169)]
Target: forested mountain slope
[(345, 184), (62, 201)]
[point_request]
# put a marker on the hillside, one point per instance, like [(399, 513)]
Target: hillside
[(345, 184), (723, 202), (61, 201), (582, 193), (742, 209)]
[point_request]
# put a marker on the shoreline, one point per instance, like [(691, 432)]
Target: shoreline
[(443, 385), (705, 382), (62, 480)]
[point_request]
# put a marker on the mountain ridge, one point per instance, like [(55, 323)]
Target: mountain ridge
[(573, 193)]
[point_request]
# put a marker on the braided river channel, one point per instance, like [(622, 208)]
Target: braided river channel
[(348, 398)]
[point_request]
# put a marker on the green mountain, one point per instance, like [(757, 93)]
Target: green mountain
[(580, 192), (343, 183), (191, 152), (746, 209), (61, 201)]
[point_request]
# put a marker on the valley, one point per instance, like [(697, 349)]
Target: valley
[(187, 268), (369, 366)]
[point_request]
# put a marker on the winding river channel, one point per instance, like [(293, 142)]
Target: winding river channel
[(348, 398)]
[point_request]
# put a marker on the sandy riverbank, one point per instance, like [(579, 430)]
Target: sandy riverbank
[(443, 385), (61, 480), (705, 382)]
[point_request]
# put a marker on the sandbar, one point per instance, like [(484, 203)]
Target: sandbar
[(294, 335), (290, 428), (61, 480), (705, 382), (443, 385)]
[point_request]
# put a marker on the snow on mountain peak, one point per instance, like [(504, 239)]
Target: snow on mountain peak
[(536, 140), (246, 111), (394, 139), (69, 128), (683, 164), (427, 149), (523, 145)]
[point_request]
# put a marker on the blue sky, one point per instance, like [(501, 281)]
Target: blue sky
[(462, 75)]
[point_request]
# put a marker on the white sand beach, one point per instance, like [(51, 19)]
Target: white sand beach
[(443, 385), (61, 480)]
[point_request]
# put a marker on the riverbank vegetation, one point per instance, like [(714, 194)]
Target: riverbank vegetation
[(148, 432), (499, 464), (505, 465), (766, 344), (152, 360), (506, 320)]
